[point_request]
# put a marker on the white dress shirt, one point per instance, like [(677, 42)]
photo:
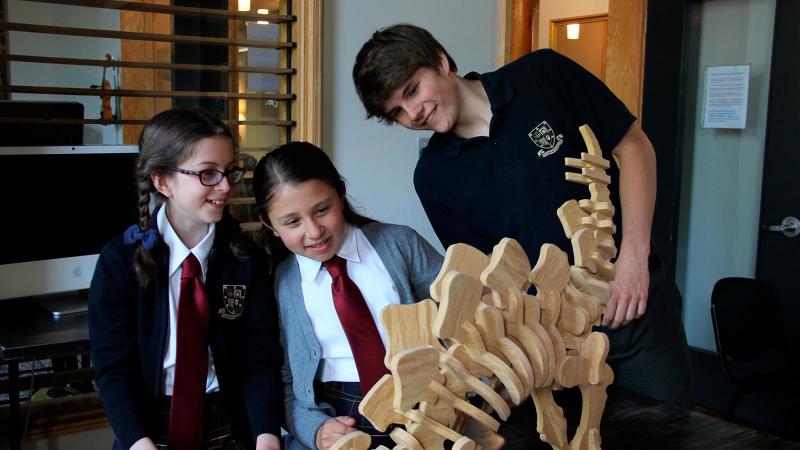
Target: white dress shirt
[(177, 253), (367, 271)]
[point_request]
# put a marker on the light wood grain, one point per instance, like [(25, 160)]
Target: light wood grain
[(412, 369), (625, 50), (356, 440), (377, 404), (460, 258), (409, 326)]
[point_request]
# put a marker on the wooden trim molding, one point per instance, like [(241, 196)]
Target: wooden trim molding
[(516, 24), (625, 46), (307, 82), (521, 29), (504, 27), (144, 79)]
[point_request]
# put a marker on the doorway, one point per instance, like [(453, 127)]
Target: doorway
[(737, 178), (583, 40), (721, 167), (776, 260)]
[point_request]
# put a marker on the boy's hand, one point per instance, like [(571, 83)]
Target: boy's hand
[(333, 429), (268, 441), (629, 289)]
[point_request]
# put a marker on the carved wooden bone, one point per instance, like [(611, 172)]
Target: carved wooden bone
[(497, 334)]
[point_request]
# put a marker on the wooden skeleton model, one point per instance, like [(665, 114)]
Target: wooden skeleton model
[(487, 331)]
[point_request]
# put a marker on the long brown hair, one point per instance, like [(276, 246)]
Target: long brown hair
[(166, 140)]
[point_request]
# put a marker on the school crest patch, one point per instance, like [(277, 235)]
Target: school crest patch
[(233, 296), (546, 139)]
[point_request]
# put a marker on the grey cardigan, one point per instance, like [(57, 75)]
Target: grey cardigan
[(412, 264)]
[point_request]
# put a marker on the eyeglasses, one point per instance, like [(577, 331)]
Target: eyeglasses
[(211, 177)]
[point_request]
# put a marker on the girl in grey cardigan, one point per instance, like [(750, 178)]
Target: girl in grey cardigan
[(301, 200)]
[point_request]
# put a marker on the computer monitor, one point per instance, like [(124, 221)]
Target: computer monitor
[(66, 203), (28, 123)]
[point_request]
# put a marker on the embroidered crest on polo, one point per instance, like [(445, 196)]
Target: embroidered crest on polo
[(546, 139), (233, 296)]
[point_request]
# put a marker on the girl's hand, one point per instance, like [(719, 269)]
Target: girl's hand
[(144, 444), (332, 430), (268, 441)]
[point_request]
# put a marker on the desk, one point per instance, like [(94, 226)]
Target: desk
[(28, 331)]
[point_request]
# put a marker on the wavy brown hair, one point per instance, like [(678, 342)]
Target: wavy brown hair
[(389, 59)]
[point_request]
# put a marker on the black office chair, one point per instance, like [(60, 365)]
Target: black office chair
[(749, 336)]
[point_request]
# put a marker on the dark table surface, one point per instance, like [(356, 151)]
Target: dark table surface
[(630, 421), (635, 422), (28, 330)]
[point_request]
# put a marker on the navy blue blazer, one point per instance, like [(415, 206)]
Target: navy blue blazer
[(128, 332)]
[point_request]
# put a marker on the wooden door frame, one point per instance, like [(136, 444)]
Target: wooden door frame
[(307, 107), (648, 82), (663, 106), (624, 47)]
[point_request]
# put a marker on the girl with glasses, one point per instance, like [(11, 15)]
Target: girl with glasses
[(181, 315)]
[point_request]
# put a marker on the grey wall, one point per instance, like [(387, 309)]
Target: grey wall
[(378, 161), (721, 187)]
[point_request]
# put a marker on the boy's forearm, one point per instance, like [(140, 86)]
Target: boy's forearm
[(637, 190)]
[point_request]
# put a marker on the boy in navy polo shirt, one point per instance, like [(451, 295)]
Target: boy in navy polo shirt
[(494, 167)]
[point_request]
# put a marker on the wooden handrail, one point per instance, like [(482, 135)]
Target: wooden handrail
[(169, 9), (251, 226), (268, 148), (132, 93), (114, 34), (242, 201), (281, 123), (61, 378), (145, 65), (57, 416), (277, 123)]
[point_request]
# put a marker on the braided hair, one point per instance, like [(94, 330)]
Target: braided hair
[(166, 140)]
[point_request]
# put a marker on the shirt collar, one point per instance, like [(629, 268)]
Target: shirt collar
[(177, 250), (500, 93), (310, 268)]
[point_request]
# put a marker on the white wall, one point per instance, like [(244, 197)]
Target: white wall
[(378, 161), (721, 191), (560, 9)]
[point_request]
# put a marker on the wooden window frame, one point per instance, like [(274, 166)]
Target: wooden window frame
[(306, 104)]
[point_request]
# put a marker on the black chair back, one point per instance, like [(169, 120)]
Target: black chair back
[(745, 316)]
